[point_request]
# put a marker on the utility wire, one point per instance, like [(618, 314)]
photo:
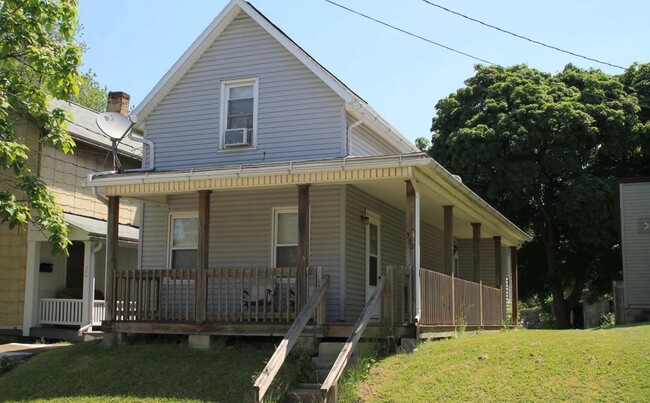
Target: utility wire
[(521, 36), (411, 34), (469, 55)]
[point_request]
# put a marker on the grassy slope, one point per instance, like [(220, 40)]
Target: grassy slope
[(145, 372), (527, 365)]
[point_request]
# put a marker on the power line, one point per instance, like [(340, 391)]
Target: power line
[(521, 36), (411, 34), (469, 55)]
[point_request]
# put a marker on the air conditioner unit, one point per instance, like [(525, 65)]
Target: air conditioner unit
[(237, 137)]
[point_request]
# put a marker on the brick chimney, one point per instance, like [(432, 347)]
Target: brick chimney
[(118, 102)]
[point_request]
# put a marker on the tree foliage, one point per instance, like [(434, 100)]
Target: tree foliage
[(91, 94), (544, 149), (38, 61)]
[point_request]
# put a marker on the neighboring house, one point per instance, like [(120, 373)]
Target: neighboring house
[(266, 166), (40, 291), (633, 205)]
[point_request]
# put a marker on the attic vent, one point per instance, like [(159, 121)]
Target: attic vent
[(237, 137)]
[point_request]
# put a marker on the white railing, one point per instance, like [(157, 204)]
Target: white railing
[(57, 311), (99, 310), (54, 311)]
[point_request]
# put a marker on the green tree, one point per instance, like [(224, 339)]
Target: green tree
[(543, 149), (91, 94), (39, 58)]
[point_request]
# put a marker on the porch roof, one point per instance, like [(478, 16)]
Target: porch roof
[(97, 228), (379, 174)]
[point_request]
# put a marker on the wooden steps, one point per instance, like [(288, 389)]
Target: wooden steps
[(327, 354)]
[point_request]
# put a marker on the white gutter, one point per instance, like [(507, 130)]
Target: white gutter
[(270, 169)]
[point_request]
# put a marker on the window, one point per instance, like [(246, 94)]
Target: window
[(183, 241), (285, 237), (239, 112)]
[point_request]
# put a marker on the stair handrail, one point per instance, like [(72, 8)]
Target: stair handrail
[(346, 352), (264, 380)]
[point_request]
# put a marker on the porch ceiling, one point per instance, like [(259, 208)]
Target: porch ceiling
[(393, 192)]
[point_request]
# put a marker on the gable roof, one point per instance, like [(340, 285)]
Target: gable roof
[(353, 103)]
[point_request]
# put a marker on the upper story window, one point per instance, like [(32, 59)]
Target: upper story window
[(239, 111)]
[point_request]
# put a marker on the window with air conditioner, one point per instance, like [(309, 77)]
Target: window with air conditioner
[(239, 112)]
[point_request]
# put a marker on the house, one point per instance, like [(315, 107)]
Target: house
[(41, 294), (269, 178), (632, 196)]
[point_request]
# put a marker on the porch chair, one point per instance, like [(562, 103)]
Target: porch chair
[(258, 296)]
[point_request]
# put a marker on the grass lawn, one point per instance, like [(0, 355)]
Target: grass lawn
[(525, 365), (140, 372)]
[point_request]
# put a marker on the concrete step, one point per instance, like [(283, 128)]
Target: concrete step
[(321, 374), (323, 362), (305, 392), (330, 349)]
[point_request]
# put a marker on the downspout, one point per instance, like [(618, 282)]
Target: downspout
[(142, 140), (96, 194), (349, 131), (416, 262)]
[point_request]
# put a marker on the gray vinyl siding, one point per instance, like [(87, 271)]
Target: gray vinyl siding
[(432, 248), (299, 116), (393, 248), (241, 230), (363, 142), (635, 205), (153, 234), (466, 260)]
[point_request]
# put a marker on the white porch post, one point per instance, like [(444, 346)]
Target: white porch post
[(88, 284), (30, 312)]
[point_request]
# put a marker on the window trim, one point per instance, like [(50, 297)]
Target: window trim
[(223, 120), (276, 211), (170, 233), (274, 228)]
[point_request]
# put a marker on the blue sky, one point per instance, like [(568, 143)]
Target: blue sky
[(132, 43)]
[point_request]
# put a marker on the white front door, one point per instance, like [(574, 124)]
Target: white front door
[(373, 258)]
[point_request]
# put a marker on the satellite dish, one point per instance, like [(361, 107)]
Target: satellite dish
[(113, 124)]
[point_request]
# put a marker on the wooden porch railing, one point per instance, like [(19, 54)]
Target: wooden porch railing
[(450, 301), (231, 294)]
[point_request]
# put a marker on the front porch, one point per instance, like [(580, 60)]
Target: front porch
[(204, 231), (65, 295)]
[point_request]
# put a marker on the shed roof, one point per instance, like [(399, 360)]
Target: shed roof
[(97, 228)]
